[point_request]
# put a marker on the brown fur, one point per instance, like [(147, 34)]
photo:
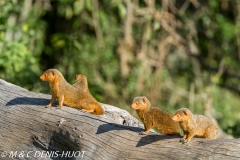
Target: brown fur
[(154, 117), (88, 102), (81, 83), (195, 125), (67, 94)]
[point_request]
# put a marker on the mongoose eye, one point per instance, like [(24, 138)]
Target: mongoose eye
[(136, 103)]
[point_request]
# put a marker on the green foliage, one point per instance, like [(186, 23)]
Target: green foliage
[(21, 42), (226, 114), (17, 65)]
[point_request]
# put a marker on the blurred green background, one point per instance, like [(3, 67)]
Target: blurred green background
[(178, 53)]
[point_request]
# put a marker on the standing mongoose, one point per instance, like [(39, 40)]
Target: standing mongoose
[(194, 125), (67, 94), (154, 117)]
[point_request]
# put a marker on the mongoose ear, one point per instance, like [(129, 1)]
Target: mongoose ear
[(184, 112), (144, 100)]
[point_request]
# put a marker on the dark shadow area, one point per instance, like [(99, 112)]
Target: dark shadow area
[(148, 139), (113, 126), (145, 139), (29, 101), (59, 145)]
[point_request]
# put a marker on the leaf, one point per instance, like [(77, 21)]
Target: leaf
[(122, 10)]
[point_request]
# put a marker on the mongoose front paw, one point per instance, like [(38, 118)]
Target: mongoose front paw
[(47, 106), (183, 141), (143, 133), (58, 107)]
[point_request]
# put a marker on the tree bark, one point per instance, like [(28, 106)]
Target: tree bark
[(28, 130)]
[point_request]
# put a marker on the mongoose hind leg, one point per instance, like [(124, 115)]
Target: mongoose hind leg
[(88, 110), (211, 132)]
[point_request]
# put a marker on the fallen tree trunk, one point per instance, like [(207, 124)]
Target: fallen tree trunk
[(28, 130)]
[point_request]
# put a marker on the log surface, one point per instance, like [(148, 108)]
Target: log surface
[(26, 126)]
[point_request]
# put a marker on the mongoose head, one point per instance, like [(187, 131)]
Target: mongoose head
[(81, 77), (140, 103), (181, 115), (50, 75)]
